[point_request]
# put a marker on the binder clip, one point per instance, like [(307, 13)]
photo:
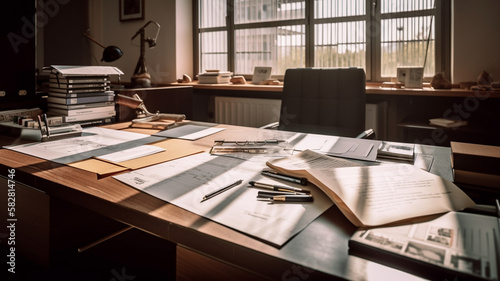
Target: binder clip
[(146, 119)]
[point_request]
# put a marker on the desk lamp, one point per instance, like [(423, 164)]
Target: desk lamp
[(141, 77), (110, 53)]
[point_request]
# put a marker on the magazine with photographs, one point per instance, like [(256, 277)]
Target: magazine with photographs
[(459, 242)]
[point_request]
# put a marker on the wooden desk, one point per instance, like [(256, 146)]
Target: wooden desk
[(205, 249)]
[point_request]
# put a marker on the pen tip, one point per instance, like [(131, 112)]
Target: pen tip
[(251, 182)]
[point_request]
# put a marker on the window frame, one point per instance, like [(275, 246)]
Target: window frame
[(442, 25)]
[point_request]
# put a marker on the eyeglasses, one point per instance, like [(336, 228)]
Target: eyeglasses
[(250, 142)]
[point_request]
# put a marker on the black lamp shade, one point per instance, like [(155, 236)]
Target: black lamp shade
[(111, 53)]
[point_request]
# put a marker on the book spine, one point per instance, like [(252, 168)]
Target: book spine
[(78, 81), (82, 100), (82, 111), (80, 106), (77, 95), (77, 86), (476, 163), (96, 122), (84, 117), (79, 91)]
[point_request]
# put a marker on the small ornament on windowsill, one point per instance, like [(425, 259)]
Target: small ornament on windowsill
[(238, 80), (439, 82), (185, 79)]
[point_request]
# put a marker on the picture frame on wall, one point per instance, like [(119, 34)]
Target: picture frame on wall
[(131, 10)]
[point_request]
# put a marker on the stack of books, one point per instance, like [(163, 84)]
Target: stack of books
[(476, 164), (214, 77), (83, 98), (448, 123)]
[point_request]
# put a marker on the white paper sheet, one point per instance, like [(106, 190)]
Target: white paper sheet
[(94, 142), (185, 181), (352, 148), (188, 132), (131, 153)]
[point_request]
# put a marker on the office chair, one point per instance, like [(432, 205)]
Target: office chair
[(324, 101)]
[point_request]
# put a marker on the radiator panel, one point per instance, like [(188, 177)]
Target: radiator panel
[(248, 112)]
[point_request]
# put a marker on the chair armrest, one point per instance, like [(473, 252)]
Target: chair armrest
[(273, 125), (366, 134)]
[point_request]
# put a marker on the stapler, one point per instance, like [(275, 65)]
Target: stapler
[(146, 119)]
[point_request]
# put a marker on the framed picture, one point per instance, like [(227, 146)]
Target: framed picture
[(131, 10)]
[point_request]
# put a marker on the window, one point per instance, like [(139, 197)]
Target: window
[(377, 35)]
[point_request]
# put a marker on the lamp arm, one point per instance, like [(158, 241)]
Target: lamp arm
[(93, 40), (142, 28)]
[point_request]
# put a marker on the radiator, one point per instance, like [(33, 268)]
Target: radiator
[(246, 111)]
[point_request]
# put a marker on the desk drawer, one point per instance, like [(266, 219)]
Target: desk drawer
[(195, 266)]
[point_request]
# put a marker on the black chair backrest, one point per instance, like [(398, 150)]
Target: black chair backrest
[(324, 101)]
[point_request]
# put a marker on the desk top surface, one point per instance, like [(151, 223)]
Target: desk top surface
[(321, 247)]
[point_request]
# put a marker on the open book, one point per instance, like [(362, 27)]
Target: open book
[(375, 195), (454, 246)]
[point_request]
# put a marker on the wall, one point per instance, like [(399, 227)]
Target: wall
[(475, 41), (63, 25), (163, 61)]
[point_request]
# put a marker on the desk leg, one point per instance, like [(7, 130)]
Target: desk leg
[(107, 237)]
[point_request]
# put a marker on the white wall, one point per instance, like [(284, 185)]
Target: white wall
[(475, 39), (163, 61)]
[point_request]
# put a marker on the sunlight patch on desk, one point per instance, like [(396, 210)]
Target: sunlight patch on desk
[(184, 182)]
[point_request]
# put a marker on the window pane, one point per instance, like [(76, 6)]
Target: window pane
[(340, 44), (248, 11), (404, 43), (212, 13), (396, 6), (213, 50), (280, 47), (338, 8)]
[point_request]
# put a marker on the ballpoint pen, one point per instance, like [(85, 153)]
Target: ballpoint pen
[(289, 198), (270, 194), (278, 187), (219, 191), (273, 174), (39, 119), (46, 124)]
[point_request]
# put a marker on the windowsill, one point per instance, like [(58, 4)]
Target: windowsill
[(372, 88), (242, 87)]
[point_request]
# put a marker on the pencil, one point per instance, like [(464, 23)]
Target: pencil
[(219, 191)]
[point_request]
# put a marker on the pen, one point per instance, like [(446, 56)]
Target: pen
[(219, 191), (278, 187), (40, 124), (302, 181), (46, 124), (289, 198), (251, 142), (270, 194)]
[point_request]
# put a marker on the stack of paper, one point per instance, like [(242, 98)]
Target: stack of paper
[(214, 77)]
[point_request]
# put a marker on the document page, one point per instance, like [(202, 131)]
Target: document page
[(459, 242), (94, 142), (184, 182), (377, 195), (189, 132)]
